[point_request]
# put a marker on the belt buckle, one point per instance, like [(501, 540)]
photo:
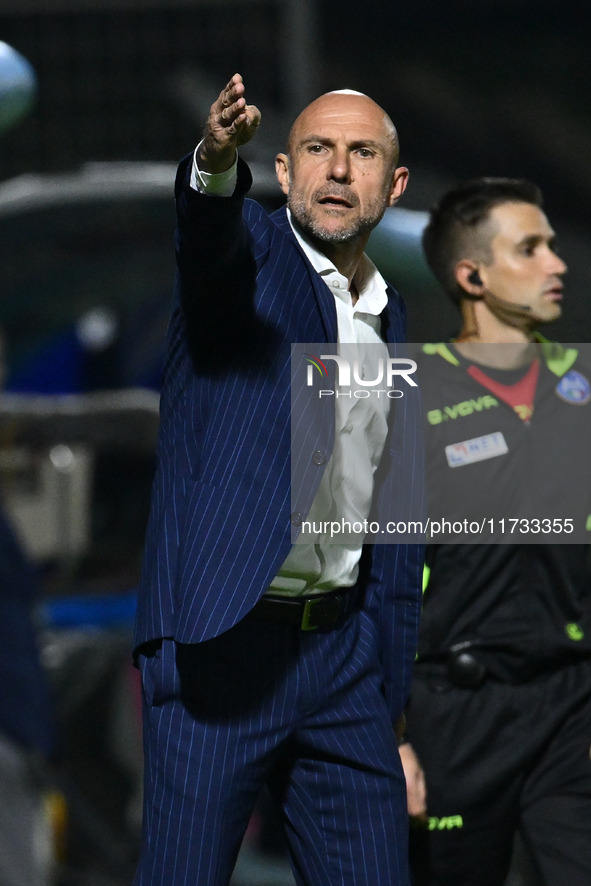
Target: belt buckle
[(305, 624)]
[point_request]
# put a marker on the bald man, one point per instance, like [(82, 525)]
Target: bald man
[(268, 657)]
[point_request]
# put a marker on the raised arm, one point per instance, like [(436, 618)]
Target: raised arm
[(217, 269)]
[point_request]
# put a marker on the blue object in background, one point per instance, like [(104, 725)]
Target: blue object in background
[(107, 611), (18, 86)]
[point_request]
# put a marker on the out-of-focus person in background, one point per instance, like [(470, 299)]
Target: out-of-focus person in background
[(499, 719), (27, 727), (267, 661)]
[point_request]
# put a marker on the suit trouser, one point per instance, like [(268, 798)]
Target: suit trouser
[(498, 759), (301, 711)]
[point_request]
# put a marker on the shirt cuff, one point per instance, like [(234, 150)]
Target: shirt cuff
[(214, 184)]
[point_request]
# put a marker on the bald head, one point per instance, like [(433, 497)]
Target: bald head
[(345, 106), (340, 173)]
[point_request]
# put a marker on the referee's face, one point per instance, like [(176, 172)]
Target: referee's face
[(526, 270)]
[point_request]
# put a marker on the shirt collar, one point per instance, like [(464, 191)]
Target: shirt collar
[(371, 286)]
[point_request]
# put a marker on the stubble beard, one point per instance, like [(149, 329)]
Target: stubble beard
[(350, 229)]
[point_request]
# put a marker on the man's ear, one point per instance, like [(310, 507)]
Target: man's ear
[(282, 171), (399, 183), (467, 276)]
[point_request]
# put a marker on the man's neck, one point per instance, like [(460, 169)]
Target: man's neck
[(498, 355), (514, 342), (346, 256)]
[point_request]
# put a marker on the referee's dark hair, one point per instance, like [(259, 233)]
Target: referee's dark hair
[(457, 227)]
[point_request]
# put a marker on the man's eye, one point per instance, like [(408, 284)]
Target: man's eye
[(316, 149), (365, 152)]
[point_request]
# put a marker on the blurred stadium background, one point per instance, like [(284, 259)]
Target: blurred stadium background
[(498, 87)]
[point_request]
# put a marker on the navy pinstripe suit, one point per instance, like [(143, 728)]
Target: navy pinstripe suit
[(231, 701)]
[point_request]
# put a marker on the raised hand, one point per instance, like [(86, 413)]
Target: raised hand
[(231, 123)]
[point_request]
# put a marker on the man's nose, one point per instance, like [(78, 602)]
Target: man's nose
[(557, 265), (340, 166)]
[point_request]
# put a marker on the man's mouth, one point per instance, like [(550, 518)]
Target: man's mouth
[(554, 294), (335, 201)]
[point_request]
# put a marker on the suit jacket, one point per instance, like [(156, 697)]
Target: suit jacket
[(222, 514)]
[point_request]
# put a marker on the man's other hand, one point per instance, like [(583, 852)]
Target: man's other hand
[(416, 791)]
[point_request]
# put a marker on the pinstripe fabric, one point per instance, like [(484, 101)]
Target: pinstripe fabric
[(219, 529), (306, 711)]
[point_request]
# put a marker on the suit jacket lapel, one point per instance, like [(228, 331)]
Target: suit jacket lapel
[(324, 297), (394, 319)]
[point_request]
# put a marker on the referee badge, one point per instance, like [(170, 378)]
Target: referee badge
[(574, 388)]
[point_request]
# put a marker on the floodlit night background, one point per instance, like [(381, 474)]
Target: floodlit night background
[(475, 87)]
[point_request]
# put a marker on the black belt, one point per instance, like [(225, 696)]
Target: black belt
[(317, 612)]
